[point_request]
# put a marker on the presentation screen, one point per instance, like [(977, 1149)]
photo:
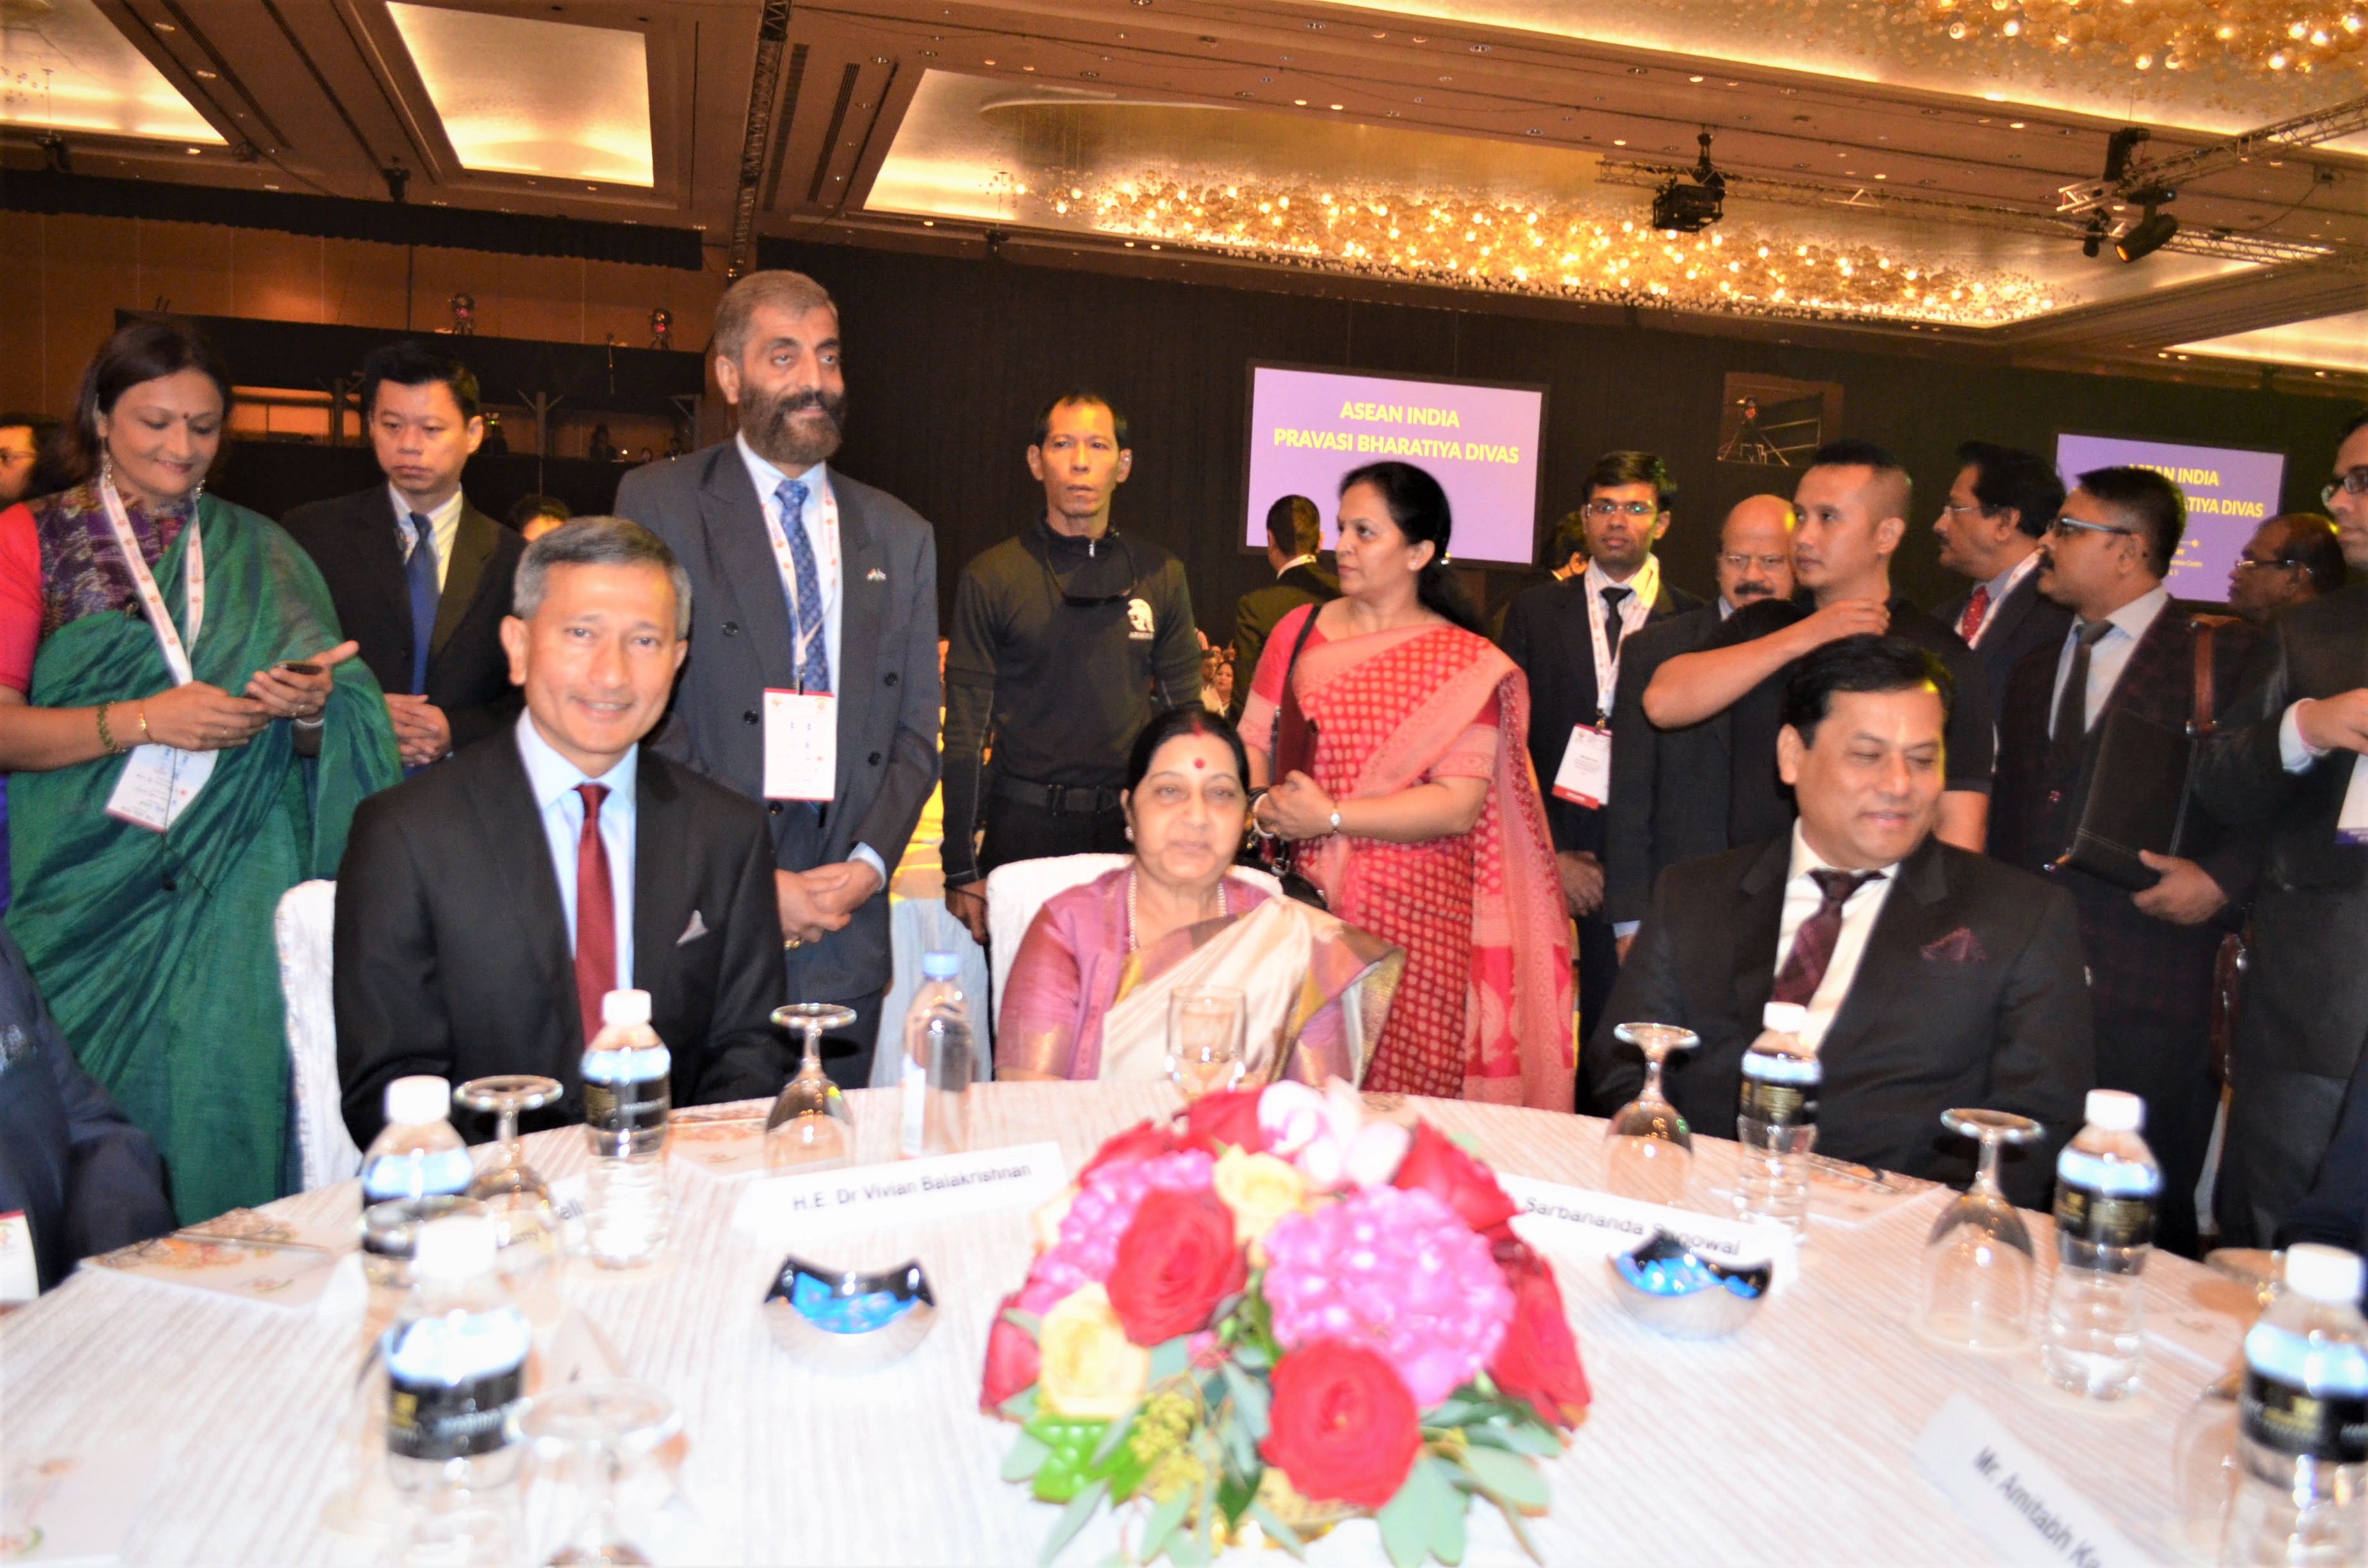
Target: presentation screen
[(1309, 428), (2229, 493)]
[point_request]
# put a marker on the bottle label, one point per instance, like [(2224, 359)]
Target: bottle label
[(2100, 1219), (2291, 1420), (449, 1421), (443, 1173), (1778, 1102), (633, 1105)]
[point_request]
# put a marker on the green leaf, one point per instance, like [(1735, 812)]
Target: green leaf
[(1282, 1535), (1250, 1399), (1406, 1534), (1508, 1478), (1186, 1550), (1116, 1433), (1027, 1454), (1241, 1449), (1162, 1523), (1028, 1322), (1171, 1358), (1426, 1517), (1250, 1358), (1073, 1519), (1235, 1493), (1020, 1407), (1453, 1411), (1521, 1533)]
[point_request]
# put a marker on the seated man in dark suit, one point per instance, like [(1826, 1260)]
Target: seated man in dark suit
[(1932, 977), (1294, 532), (486, 906), (76, 1178), (420, 578), (2335, 1210)]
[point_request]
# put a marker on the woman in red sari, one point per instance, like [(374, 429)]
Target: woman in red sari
[(1406, 782)]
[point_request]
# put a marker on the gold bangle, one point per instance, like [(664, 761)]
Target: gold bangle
[(141, 708), (105, 736)]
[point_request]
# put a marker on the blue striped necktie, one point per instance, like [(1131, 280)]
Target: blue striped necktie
[(419, 571), (808, 635)]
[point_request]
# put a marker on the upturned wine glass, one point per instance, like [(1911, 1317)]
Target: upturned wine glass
[(1977, 1262), (2204, 1452), (603, 1428), (511, 1190), (810, 1127), (1649, 1149)]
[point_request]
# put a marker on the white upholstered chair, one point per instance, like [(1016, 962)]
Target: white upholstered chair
[(303, 926)]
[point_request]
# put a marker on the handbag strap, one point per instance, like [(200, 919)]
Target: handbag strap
[(2205, 718), (1290, 719)]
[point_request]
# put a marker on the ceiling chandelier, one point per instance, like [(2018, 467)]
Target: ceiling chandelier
[(2303, 36)]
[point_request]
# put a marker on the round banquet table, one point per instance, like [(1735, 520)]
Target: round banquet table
[(1788, 1442)]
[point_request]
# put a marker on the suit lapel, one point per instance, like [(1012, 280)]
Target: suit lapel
[(1754, 927), (511, 838), (472, 545), (1578, 632), (2011, 610), (1893, 947), (661, 874), (859, 595), (733, 522)]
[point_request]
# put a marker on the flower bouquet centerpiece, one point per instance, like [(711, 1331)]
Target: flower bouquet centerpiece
[(1274, 1311)]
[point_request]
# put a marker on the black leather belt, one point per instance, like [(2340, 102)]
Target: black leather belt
[(1060, 799)]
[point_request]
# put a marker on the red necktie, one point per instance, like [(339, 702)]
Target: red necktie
[(596, 915), (1813, 944), (1976, 607)]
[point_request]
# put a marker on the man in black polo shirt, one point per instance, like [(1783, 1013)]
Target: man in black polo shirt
[(1065, 641), (1853, 507)]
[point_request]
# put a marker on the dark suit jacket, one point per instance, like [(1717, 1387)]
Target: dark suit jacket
[(2306, 993), (452, 954), (1546, 634), (1668, 787), (86, 1180), (2023, 621), (704, 506), (1969, 994), (352, 540), (2335, 1213), (1255, 615), (2138, 966)]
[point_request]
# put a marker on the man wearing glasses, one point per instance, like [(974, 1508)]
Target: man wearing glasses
[(2150, 952), (20, 448), (1567, 638), (1989, 530), (2289, 561), (2286, 756)]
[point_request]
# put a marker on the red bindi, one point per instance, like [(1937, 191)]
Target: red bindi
[(1199, 762)]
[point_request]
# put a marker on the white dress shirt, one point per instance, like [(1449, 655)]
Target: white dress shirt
[(1298, 561), (1999, 587), (1801, 896), (2106, 659), (1644, 587), (443, 526), (551, 779)]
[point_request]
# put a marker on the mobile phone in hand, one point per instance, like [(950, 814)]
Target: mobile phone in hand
[(299, 667)]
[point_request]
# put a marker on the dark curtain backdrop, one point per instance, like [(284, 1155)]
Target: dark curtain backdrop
[(948, 361)]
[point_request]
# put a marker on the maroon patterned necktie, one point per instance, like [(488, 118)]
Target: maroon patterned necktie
[(1813, 944), (596, 914)]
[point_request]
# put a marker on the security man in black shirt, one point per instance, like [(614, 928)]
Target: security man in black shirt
[(1065, 641)]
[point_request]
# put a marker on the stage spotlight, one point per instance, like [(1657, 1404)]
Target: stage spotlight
[(2147, 235), (1682, 209)]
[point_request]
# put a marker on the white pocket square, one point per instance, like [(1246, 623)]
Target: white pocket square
[(693, 932)]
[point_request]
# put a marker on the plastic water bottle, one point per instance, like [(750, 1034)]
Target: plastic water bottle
[(627, 1094), (936, 1061), (2302, 1432), (2106, 1181), (1776, 1122), (456, 1358), (418, 1154)]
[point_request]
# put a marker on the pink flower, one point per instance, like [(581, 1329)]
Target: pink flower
[(1099, 1216), (1396, 1271), (1327, 1136)]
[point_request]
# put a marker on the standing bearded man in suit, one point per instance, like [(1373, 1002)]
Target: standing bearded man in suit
[(1294, 532), (1932, 976), (485, 907), (812, 687), (419, 577), (2130, 650), (1567, 637), (1989, 529), (2287, 756)]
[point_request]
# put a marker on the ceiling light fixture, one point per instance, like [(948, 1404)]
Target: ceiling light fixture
[(1680, 207), (2147, 235)]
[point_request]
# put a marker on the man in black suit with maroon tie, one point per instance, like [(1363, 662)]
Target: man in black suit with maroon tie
[(2130, 650)]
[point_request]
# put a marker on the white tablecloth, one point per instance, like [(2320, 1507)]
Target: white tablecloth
[(1789, 1442)]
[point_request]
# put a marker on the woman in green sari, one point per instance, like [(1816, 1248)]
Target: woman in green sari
[(188, 736)]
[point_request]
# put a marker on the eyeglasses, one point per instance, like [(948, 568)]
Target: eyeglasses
[(2354, 483), (1950, 508), (1615, 508), (2247, 563), (1765, 562), (2064, 526)]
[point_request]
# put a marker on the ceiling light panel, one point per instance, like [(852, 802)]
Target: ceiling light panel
[(64, 66), (2329, 343), (525, 97)]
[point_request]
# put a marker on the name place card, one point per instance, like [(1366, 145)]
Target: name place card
[(2014, 1498), (1552, 1214), (940, 1186)]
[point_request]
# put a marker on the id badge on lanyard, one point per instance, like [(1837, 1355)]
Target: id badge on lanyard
[(159, 781), (1584, 776), (801, 727)]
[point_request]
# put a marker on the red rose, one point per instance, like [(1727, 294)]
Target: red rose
[(1144, 1140), (1538, 1360), (1230, 1118), (1176, 1260), (1435, 1166), (1011, 1358), (1342, 1424)]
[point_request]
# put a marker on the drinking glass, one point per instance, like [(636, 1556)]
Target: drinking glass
[(602, 1428), (2204, 1453), (513, 1191), (1977, 1261), (1651, 1149), (810, 1128), (1207, 1029)]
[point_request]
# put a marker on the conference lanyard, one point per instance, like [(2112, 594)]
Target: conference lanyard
[(1643, 588), (800, 635), (152, 599)]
